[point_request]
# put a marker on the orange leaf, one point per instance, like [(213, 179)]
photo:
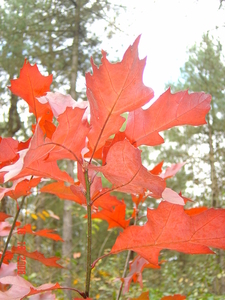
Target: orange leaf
[(59, 189), (172, 170), (7, 257), (30, 85), (113, 89), (143, 296), (115, 218), (157, 169), (125, 171), (195, 210), (3, 216), (136, 268), (48, 233), (169, 227), (49, 262), (21, 188), (169, 110)]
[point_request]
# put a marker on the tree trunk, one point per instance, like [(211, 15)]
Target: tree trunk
[(215, 201), (14, 123), (214, 181), (67, 210)]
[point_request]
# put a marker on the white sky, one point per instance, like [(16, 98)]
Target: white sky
[(168, 28)]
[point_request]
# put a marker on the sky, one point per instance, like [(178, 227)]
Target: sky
[(168, 28)]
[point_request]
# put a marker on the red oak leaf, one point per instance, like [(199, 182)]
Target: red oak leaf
[(8, 151), (106, 201), (32, 161), (115, 218), (70, 134), (48, 233), (136, 268), (30, 85), (49, 262), (125, 171), (39, 168), (67, 141), (182, 108), (60, 102), (21, 289), (59, 189), (46, 124), (40, 158), (172, 170), (169, 227), (157, 169), (113, 89), (5, 228), (3, 216), (195, 210), (8, 269), (20, 188), (137, 199), (143, 296), (172, 197), (7, 257)]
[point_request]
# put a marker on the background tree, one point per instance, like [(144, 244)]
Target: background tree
[(202, 148), (58, 35)]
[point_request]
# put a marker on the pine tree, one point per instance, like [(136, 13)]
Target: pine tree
[(58, 35)]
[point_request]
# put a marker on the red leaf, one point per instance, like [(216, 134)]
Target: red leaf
[(137, 199), (112, 90), (143, 126), (8, 269), (59, 189), (48, 233), (107, 201), (169, 227), (49, 262), (7, 257), (172, 170), (69, 137), (40, 159), (115, 218), (21, 288), (8, 151), (157, 169), (19, 188), (30, 85), (172, 197), (5, 228), (195, 210), (60, 102), (29, 165), (3, 216), (136, 268), (125, 171)]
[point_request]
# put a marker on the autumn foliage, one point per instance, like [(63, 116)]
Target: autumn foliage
[(89, 133)]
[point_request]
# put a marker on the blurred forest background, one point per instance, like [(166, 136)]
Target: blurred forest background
[(61, 36)]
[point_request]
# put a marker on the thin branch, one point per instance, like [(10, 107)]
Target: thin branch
[(89, 235), (11, 230), (126, 263), (124, 274)]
